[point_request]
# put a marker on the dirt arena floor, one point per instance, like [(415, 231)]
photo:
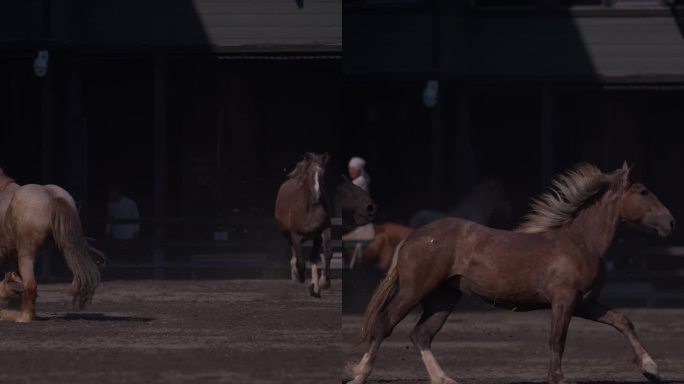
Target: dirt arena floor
[(254, 331), (497, 346)]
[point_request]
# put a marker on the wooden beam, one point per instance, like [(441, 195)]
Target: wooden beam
[(160, 77)]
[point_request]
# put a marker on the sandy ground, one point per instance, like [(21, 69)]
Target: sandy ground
[(496, 346), (254, 331)]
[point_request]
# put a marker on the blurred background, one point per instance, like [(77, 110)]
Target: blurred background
[(442, 96)]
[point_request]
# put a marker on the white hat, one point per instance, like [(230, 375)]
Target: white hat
[(358, 163)]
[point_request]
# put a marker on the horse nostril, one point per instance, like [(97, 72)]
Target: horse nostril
[(672, 225), (370, 208)]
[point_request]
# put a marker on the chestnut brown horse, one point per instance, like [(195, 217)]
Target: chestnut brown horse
[(553, 260), (381, 249), (33, 217), (303, 212)]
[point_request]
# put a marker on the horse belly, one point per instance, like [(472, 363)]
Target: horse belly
[(502, 289)]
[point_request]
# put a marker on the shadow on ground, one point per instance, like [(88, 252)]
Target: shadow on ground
[(92, 317)]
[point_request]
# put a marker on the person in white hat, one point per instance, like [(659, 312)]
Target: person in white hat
[(365, 233), (358, 174)]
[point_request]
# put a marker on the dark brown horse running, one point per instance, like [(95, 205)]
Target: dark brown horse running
[(32, 217), (303, 213), (552, 260)]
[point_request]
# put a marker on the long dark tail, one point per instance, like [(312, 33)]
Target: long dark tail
[(69, 238), (383, 294)]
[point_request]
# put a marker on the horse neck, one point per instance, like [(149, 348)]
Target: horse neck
[(595, 226)]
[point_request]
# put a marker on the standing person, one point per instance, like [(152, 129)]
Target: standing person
[(364, 234), (358, 174), (121, 208)]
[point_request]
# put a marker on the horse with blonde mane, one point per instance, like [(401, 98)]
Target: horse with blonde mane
[(553, 260), (32, 218)]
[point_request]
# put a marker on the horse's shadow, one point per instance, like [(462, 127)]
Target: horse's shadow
[(91, 316)]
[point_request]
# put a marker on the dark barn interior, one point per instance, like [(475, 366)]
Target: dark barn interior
[(197, 122)]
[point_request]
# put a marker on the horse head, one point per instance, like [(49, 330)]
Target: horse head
[(640, 207), (358, 208)]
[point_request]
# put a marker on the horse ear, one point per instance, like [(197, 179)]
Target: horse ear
[(626, 172), (307, 156), (325, 158)]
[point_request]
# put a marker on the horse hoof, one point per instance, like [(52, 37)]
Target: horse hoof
[(324, 283), (295, 275), (313, 292), (650, 369), (24, 318)]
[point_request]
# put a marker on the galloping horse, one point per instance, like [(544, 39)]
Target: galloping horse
[(32, 217), (552, 260), (302, 212)]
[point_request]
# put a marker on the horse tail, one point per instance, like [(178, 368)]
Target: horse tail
[(69, 238), (383, 294)]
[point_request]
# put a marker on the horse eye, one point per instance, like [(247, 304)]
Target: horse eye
[(644, 192)]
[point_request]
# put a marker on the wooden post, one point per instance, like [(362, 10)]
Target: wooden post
[(547, 128), (436, 172), (159, 178), (46, 158), (46, 124), (467, 166)]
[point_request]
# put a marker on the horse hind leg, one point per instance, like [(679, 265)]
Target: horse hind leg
[(398, 307), (28, 305), (436, 309), (324, 281)]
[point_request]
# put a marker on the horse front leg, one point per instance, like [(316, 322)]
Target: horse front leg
[(598, 312), (326, 237), (314, 288), (297, 265), (561, 312)]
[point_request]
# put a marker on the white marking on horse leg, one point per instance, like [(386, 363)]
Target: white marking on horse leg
[(293, 264), (317, 186), (314, 277), (648, 366), (323, 280), (436, 373), (362, 369)]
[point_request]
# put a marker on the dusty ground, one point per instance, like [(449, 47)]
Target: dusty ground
[(254, 331), (496, 346)]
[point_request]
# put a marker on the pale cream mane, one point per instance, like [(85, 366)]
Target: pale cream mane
[(568, 194)]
